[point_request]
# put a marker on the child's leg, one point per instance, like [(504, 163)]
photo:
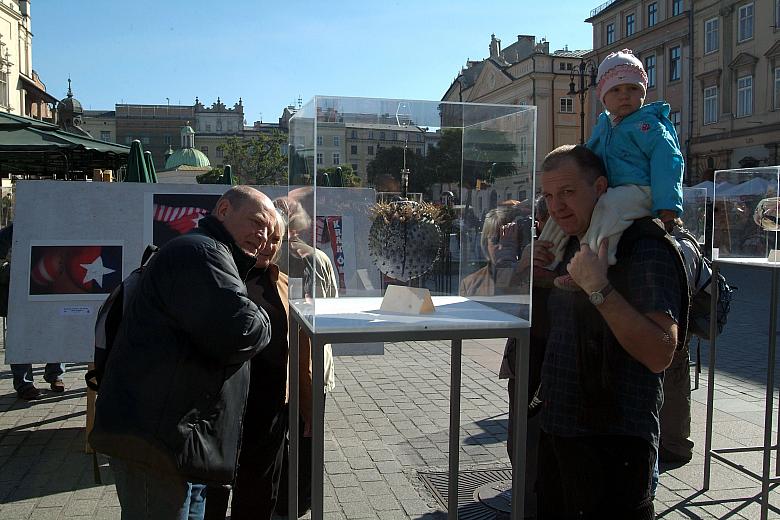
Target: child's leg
[(615, 211), (553, 233)]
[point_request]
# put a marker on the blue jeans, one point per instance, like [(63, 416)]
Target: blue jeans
[(23, 374), (145, 494)]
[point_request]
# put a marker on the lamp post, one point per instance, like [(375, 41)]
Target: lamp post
[(586, 69)]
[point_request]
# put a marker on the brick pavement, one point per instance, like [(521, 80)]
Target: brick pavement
[(386, 421)]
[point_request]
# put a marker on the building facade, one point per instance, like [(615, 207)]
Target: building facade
[(658, 32), (21, 90), (525, 73), (156, 126), (736, 93)]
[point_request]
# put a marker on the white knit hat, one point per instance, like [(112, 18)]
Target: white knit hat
[(619, 68)]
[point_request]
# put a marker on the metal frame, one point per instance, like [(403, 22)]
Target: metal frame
[(721, 453), (319, 339)]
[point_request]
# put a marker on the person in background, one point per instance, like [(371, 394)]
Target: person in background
[(23, 372)]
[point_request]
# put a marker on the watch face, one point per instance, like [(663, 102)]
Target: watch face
[(596, 298)]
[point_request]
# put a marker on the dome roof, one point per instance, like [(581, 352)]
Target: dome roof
[(70, 104), (187, 157)]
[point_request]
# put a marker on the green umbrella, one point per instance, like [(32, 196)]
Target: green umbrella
[(227, 176), (136, 164), (150, 166)]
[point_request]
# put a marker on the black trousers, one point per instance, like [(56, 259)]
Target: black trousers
[(595, 477), (256, 489)]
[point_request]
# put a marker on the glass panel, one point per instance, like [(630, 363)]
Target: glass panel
[(441, 216), (746, 219), (694, 214)]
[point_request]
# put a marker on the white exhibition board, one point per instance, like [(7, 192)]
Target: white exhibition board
[(95, 233)]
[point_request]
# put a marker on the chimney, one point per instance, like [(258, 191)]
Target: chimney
[(495, 46)]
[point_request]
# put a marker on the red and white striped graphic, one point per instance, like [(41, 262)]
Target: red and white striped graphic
[(179, 218), (48, 268)]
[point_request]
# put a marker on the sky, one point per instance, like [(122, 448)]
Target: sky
[(271, 52)]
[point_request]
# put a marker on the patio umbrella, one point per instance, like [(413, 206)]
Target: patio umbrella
[(150, 166), (227, 176), (136, 164)]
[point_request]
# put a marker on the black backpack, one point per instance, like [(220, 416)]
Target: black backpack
[(109, 317), (698, 269)]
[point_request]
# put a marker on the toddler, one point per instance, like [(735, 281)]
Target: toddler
[(641, 153)]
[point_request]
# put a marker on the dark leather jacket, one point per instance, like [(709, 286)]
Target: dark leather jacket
[(174, 391)]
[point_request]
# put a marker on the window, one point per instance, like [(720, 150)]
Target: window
[(336, 158), (710, 105), (745, 96), (336, 140), (208, 127), (205, 150), (674, 63), (777, 89), (3, 89), (381, 136), (370, 150), (353, 134), (677, 7), (105, 135), (319, 158), (629, 25), (354, 167), (777, 14), (745, 31), (567, 105), (569, 66), (711, 35), (128, 139), (395, 136), (145, 140), (650, 69), (219, 125), (319, 140), (652, 14), (353, 149), (674, 117), (167, 139), (370, 134), (523, 150), (562, 66), (610, 33), (220, 153), (419, 138)]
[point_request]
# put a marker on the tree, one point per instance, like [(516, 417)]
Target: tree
[(348, 177), (258, 160), (388, 163), (212, 176)]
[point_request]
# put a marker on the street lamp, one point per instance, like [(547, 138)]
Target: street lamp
[(586, 69)]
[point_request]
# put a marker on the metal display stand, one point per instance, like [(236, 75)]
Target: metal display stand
[(721, 454), (351, 320)]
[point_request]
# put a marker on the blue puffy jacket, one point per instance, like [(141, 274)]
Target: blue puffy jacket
[(643, 149)]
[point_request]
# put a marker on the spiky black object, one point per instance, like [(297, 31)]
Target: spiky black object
[(404, 240)]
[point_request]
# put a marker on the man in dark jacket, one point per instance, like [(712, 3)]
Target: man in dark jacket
[(172, 400)]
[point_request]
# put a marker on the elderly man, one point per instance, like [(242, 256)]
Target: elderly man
[(172, 399), (607, 347)]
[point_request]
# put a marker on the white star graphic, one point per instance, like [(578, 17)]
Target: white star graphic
[(96, 270)]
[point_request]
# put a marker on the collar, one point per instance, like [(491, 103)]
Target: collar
[(211, 226)]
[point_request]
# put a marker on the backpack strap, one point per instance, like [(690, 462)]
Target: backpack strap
[(648, 227)]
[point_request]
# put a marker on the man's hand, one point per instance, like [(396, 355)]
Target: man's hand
[(543, 255), (588, 269)]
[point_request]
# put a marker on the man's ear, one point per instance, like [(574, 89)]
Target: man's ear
[(221, 209), (601, 185)]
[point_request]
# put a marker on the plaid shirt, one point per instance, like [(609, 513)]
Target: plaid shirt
[(653, 287)]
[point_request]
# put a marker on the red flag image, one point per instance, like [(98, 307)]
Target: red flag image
[(175, 214), (78, 269)]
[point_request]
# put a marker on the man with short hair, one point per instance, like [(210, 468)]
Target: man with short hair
[(173, 396), (607, 347)]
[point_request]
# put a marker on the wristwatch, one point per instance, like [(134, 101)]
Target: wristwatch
[(598, 297)]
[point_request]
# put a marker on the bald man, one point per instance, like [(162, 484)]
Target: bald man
[(171, 402)]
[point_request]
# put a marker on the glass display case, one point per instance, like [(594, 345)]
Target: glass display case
[(694, 215), (430, 196), (745, 220)]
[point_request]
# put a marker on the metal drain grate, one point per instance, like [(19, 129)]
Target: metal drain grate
[(469, 482)]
